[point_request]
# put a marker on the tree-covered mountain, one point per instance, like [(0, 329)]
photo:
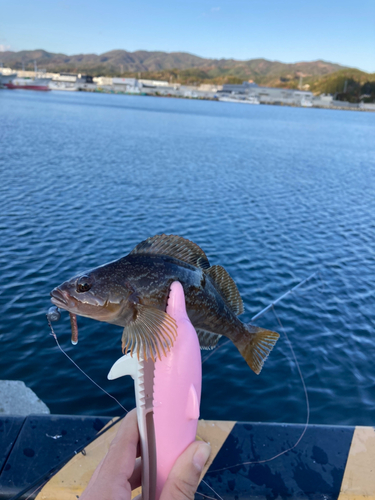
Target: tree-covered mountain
[(181, 66), (321, 77), (347, 85)]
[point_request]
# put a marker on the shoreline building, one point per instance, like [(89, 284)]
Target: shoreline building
[(268, 95), (126, 85), (71, 82)]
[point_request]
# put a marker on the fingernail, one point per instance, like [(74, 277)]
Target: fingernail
[(201, 456)]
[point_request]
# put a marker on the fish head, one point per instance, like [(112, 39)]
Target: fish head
[(94, 294)]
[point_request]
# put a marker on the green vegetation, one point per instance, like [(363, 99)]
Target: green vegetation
[(178, 67), (347, 85)]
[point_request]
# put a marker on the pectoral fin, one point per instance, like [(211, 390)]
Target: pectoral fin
[(151, 333)]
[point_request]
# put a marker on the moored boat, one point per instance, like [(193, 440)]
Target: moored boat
[(29, 83), (62, 85), (5, 79), (247, 100), (306, 103)]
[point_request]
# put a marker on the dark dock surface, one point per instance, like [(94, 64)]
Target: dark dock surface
[(53, 457)]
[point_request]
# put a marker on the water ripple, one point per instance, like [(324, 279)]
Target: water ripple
[(271, 193)]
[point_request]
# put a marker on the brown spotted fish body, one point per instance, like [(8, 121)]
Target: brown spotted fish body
[(133, 291)]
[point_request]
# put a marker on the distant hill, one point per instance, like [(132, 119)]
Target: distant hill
[(350, 85), (176, 66), (335, 82)]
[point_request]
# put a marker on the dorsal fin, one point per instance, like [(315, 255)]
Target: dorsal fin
[(227, 288), (174, 246)]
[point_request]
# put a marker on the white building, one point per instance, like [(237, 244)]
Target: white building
[(268, 95), (154, 83), (127, 85), (103, 80), (207, 87)]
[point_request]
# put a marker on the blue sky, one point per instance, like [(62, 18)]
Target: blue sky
[(283, 30)]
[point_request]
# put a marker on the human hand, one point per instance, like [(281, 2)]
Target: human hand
[(120, 472)]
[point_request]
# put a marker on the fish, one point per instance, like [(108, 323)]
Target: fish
[(132, 292)]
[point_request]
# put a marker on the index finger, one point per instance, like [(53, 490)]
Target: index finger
[(113, 476), (123, 450)]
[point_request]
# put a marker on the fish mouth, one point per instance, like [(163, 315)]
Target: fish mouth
[(60, 298)]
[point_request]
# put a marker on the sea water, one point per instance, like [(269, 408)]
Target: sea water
[(271, 193)]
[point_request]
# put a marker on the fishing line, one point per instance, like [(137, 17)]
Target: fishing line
[(32, 494), (282, 297), (272, 306), (307, 412), (263, 311), (80, 369), (217, 494), (206, 496)]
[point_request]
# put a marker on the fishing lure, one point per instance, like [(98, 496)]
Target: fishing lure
[(53, 314)]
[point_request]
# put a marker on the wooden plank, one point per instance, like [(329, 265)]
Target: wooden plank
[(214, 432), (359, 478)]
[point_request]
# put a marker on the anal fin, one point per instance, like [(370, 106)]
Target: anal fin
[(208, 340)]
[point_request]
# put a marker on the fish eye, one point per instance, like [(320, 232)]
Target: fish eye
[(83, 284)]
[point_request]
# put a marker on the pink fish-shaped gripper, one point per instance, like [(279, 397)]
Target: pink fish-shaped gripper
[(177, 390), (168, 397)]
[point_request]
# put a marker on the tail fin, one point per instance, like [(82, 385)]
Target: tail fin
[(256, 345)]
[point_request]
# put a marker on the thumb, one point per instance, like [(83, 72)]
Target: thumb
[(183, 480)]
